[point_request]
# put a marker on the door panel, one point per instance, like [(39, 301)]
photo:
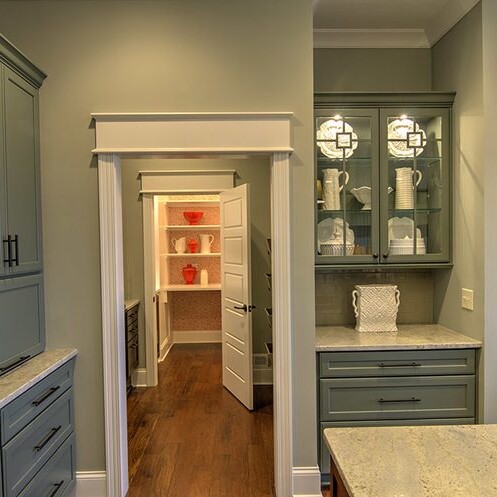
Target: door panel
[(22, 174), (236, 293)]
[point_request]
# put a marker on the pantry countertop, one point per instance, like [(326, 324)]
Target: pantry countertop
[(409, 337), (415, 461)]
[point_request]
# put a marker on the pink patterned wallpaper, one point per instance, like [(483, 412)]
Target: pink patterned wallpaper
[(193, 311)]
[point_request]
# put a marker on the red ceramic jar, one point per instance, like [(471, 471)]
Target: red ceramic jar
[(192, 246), (189, 273)]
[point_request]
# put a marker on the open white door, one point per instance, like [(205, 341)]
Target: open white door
[(236, 295)]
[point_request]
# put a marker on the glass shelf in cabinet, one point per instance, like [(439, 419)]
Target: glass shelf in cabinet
[(418, 210)]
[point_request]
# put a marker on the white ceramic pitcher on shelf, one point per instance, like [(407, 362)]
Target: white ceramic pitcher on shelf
[(179, 244), (332, 188), (206, 243), (404, 187)]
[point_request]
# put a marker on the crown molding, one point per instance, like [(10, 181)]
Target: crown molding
[(370, 38)]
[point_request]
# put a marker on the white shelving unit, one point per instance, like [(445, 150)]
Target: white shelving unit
[(191, 227), (188, 255), (192, 288)]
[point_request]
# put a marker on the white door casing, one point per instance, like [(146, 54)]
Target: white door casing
[(236, 294), (164, 134)]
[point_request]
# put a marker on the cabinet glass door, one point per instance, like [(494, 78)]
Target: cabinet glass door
[(415, 185), (347, 189)]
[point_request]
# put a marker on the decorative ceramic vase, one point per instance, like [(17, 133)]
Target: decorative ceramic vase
[(332, 188), (376, 307), (404, 187), (179, 244), (204, 277), (189, 273), (192, 246)]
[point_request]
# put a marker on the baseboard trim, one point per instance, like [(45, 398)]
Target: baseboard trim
[(139, 378), (306, 482), (195, 336), (90, 484), (165, 347)]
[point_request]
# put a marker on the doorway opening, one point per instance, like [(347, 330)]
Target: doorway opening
[(121, 135)]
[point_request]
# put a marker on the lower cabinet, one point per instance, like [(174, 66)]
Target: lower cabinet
[(385, 388), (37, 438), (131, 337)]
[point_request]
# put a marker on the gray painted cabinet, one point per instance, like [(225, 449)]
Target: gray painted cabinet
[(383, 182), (37, 438), (381, 388), (22, 328)]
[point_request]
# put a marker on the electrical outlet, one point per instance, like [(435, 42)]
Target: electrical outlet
[(467, 299)]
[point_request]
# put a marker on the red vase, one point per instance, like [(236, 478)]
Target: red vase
[(189, 273), (192, 246)]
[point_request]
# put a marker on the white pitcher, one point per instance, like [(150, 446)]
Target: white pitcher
[(179, 244), (332, 188), (404, 187), (205, 243)]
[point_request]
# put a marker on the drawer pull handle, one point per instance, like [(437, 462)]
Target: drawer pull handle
[(412, 399), (22, 359), (409, 365), (47, 439), (57, 487), (45, 396)]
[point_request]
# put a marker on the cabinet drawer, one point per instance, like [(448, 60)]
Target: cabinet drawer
[(324, 455), (396, 363), (30, 449), (57, 477), (429, 397), (18, 413)]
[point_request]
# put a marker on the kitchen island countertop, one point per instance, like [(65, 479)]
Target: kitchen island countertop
[(416, 461), (409, 337)]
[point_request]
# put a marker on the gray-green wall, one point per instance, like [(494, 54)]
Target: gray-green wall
[(146, 56), (256, 172), (458, 65), (372, 69)]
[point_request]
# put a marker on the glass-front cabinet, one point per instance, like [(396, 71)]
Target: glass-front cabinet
[(383, 179)]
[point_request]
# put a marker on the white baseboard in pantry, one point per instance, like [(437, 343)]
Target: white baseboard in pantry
[(200, 336)]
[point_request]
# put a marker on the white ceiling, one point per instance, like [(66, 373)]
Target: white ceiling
[(385, 23)]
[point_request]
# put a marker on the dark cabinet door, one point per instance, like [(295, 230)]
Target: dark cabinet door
[(22, 320), (21, 224)]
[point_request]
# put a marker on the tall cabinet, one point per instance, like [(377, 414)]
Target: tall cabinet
[(22, 332)]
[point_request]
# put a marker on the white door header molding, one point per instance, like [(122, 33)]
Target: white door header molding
[(193, 133)]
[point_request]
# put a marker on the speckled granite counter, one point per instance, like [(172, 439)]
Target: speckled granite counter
[(21, 379), (412, 336), (416, 461)]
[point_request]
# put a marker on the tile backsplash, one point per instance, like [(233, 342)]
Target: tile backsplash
[(334, 295)]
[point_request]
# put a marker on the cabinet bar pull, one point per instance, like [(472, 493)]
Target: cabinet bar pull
[(9, 251), (57, 487), (47, 439), (21, 359), (408, 365), (16, 258), (45, 396), (412, 399)]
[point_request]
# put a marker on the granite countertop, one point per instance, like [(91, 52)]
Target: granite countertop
[(409, 336), (22, 378), (416, 461), (130, 303)]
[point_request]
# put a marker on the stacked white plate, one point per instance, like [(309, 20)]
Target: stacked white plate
[(405, 246), (401, 239)]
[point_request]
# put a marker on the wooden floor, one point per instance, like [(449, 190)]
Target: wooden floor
[(189, 437)]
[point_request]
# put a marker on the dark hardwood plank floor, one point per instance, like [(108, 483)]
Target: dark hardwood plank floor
[(190, 437)]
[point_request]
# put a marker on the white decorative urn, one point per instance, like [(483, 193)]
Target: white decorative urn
[(376, 307)]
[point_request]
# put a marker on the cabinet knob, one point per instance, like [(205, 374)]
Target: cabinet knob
[(385, 255), (375, 255)]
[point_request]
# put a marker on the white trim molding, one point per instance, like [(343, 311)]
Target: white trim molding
[(306, 482), (139, 377), (90, 484), (370, 38), (192, 135), (197, 336)]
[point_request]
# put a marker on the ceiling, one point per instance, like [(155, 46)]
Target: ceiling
[(385, 23)]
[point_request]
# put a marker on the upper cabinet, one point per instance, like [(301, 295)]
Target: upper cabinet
[(383, 186), (20, 221)]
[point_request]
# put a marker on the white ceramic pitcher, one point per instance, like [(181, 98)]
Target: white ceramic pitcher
[(376, 307), (404, 187), (332, 188), (205, 243), (179, 244)]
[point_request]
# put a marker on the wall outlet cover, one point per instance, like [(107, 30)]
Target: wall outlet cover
[(467, 299)]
